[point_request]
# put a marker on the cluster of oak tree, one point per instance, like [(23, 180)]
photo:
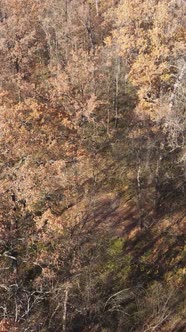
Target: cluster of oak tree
[(92, 101)]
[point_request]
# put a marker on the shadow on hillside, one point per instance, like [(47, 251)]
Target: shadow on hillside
[(154, 255)]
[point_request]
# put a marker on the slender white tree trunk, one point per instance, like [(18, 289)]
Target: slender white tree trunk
[(97, 6), (66, 293)]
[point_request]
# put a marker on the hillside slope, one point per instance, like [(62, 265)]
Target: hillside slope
[(92, 161)]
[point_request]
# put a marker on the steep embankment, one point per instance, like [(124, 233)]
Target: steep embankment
[(74, 232)]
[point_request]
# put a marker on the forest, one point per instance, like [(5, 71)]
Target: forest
[(92, 165)]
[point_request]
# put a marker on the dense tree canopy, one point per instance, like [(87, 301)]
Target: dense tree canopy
[(93, 165)]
